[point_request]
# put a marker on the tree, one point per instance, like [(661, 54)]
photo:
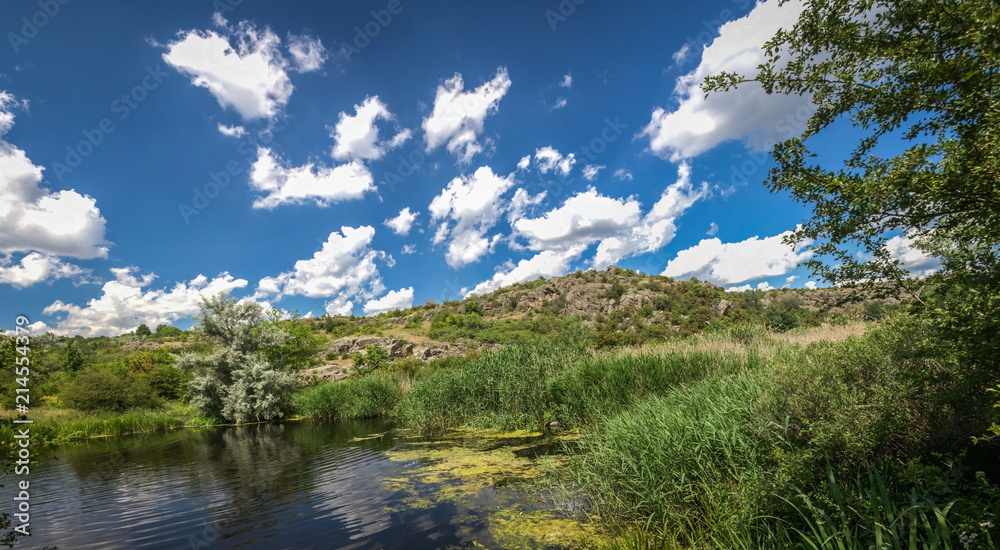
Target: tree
[(143, 330), (918, 80), (167, 331), (375, 358), (72, 358), (237, 383)]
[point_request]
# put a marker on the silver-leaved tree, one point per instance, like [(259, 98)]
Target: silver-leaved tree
[(236, 382)]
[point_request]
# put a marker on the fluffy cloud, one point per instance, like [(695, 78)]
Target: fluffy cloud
[(393, 300), (124, 304), (657, 227), (549, 263), (284, 184), (914, 260), (567, 81), (760, 286), (549, 160), (584, 218), (458, 116), (344, 270), (35, 268), (623, 175), (699, 123), (357, 136), (560, 103), (243, 68), (465, 210), (731, 263), (33, 218), (618, 225), (402, 223), (307, 52), (590, 171), (232, 131)]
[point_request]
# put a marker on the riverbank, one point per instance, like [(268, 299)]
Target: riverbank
[(739, 438)]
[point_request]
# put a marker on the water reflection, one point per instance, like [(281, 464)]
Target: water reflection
[(302, 486)]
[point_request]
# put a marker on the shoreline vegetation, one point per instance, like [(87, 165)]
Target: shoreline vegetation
[(832, 436)]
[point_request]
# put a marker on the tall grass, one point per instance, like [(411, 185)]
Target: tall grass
[(66, 425), (505, 389), (369, 396), (604, 385), (870, 513), (686, 463)]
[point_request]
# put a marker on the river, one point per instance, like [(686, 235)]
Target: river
[(297, 485)]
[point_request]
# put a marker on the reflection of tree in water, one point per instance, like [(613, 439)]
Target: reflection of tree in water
[(251, 470)]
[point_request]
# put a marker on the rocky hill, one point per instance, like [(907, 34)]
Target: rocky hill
[(609, 308)]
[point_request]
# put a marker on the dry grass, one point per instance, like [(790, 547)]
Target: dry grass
[(823, 333)]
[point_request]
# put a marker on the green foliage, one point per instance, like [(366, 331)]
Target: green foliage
[(299, 349), (917, 78), (687, 461), (167, 331), (98, 388), (613, 292), (237, 383), (504, 389), (591, 390), (72, 358), (374, 358), (784, 314), (143, 330), (363, 397), (168, 382)]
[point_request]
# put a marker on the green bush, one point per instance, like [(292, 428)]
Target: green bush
[(98, 388)]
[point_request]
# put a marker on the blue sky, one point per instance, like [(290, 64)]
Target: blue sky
[(356, 157)]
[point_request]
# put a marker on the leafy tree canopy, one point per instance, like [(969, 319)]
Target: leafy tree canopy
[(920, 71)]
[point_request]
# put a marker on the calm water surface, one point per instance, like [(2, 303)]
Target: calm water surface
[(292, 486)]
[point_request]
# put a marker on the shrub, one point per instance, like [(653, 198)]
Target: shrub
[(99, 388)]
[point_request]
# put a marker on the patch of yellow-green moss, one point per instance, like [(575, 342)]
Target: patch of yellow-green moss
[(479, 470)]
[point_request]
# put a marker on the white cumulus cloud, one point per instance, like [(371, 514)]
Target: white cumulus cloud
[(548, 160), (914, 260), (549, 263), (124, 304), (356, 136), (619, 226), (307, 52), (698, 123), (402, 223), (731, 263), (243, 67), (281, 183), (465, 211), (393, 300), (36, 219), (590, 171), (458, 116), (35, 268), (344, 269)]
